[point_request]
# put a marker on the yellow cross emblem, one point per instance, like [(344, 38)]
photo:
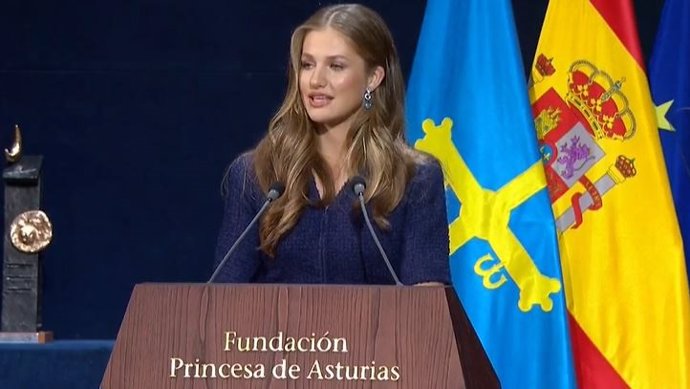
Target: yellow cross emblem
[(485, 214)]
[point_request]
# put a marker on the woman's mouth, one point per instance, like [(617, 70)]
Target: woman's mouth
[(319, 100)]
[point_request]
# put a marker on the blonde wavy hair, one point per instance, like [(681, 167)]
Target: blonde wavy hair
[(376, 146)]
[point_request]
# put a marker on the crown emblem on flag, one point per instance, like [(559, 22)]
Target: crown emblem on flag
[(623, 169), (600, 101), (544, 65)]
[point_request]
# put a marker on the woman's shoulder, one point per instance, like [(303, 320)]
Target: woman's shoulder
[(426, 180), (243, 163), (427, 169), (240, 173), (240, 168)]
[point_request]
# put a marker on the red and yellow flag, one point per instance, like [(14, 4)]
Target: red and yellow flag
[(621, 251)]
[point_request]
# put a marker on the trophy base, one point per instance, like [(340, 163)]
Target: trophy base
[(39, 337)]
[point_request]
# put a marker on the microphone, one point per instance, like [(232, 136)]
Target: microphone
[(274, 191), (358, 186)]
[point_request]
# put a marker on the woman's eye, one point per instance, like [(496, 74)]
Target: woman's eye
[(306, 65), (337, 66)]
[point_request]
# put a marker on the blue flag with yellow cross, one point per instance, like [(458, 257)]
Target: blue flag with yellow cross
[(467, 105)]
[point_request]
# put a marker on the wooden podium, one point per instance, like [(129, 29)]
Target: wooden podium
[(296, 336)]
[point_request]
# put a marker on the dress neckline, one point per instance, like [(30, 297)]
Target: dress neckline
[(343, 192)]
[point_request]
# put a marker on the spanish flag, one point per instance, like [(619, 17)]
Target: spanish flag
[(621, 250)]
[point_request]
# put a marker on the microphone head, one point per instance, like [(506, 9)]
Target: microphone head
[(358, 185), (275, 190)]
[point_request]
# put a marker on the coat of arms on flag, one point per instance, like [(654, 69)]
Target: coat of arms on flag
[(570, 130)]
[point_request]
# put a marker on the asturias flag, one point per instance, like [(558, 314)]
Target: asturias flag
[(468, 106), (621, 248), (669, 75)]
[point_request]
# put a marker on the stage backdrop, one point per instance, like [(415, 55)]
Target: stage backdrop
[(137, 108)]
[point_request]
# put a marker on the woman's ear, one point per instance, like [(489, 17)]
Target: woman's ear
[(376, 77)]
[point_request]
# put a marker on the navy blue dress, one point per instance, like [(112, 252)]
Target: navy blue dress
[(332, 245)]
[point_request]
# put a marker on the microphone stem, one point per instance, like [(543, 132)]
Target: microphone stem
[(238, 240), (376, 240)]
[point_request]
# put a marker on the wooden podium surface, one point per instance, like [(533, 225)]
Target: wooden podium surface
[(295, 336)]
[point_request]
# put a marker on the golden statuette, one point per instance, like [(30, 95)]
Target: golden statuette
[(15, 152), (31, 231)]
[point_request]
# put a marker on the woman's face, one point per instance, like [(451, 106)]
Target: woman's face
[(332, 78)]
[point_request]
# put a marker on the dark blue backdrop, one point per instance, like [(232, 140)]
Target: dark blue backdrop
[(137, 107)]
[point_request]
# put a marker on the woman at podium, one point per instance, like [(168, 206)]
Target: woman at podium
[(342, 117)]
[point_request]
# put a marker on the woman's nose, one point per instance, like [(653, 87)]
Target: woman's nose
[(318, 78)]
